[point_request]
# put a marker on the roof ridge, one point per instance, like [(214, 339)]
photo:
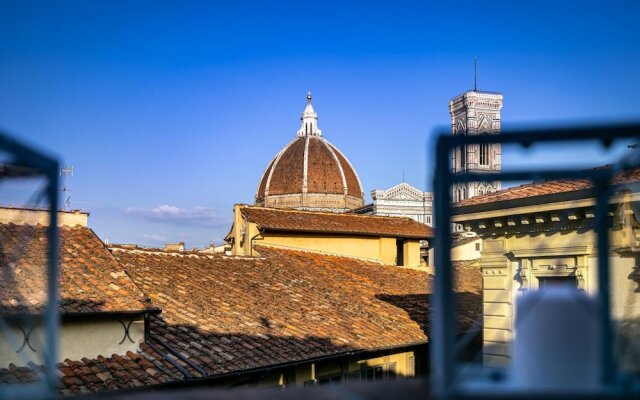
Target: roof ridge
[(293, 210), (570, 185), (123, 269), (161, 252)]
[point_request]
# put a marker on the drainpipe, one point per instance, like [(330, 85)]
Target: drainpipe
[(165, 356), (147, 327), (255, 237)]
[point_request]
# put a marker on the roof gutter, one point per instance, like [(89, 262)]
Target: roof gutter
[(585, 195), (394, 235), (94, 314), (89, 315)]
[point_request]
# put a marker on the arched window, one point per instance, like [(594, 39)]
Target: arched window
[(484, 154)]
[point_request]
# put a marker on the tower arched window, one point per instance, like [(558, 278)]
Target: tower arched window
[(484, 154)]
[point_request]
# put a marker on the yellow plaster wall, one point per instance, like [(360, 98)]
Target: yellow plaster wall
[(374, 248), (362, 247), (402, 360), (41, 217), (324, 369), (387, 250), (297, 376), (245, 234), (467, 251), (411, 253)]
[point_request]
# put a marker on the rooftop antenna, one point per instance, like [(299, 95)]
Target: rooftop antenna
[(475, 74), (66, 197), (403, 175)]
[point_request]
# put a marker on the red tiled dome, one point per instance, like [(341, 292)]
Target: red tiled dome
[(310, 173)]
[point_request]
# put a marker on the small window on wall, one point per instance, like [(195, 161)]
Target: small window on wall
[(478, 247), (545, 282), (399, 251), (373, 374), (379, 372), (330, 380)]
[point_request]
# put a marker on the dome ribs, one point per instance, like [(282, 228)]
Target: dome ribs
[(263, 181), (310, 173), (286, 177), (324, 174), (353, 183)]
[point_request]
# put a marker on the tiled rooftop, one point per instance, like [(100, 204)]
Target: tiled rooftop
[(91, 280), (545, 188), (229, 314), (343, 223), (103, 373)]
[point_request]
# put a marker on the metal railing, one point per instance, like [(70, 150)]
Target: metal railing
[(22, 161), (445, 369)]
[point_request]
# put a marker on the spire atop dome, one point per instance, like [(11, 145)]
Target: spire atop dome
[(309, 120)]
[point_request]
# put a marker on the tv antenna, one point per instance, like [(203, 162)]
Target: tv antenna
[(66, 197)]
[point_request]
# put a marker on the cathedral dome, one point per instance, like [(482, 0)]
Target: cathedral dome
[(310, 173)]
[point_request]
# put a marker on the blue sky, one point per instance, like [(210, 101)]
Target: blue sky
[(170, 111)]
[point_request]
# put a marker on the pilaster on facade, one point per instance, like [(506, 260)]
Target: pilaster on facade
[(402, 200), (497, 303)]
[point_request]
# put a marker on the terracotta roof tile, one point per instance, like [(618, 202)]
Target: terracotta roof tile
[(285, 306), (353, 183), (228, 314), (323, 173), (343, 223), (545, 188), (287, 176), (322, 167), (90, 277), (103, 373)]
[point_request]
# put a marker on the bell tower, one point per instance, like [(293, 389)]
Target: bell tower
[(476, 113)]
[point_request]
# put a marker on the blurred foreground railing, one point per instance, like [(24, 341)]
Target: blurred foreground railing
[(449, 377), (20, 163)]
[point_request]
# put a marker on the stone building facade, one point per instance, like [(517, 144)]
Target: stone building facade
[(391, 241), (310, 173), (544, 234), (476, 113), (401, 200)]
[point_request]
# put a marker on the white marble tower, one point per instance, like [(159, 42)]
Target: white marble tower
[(476, 113)]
